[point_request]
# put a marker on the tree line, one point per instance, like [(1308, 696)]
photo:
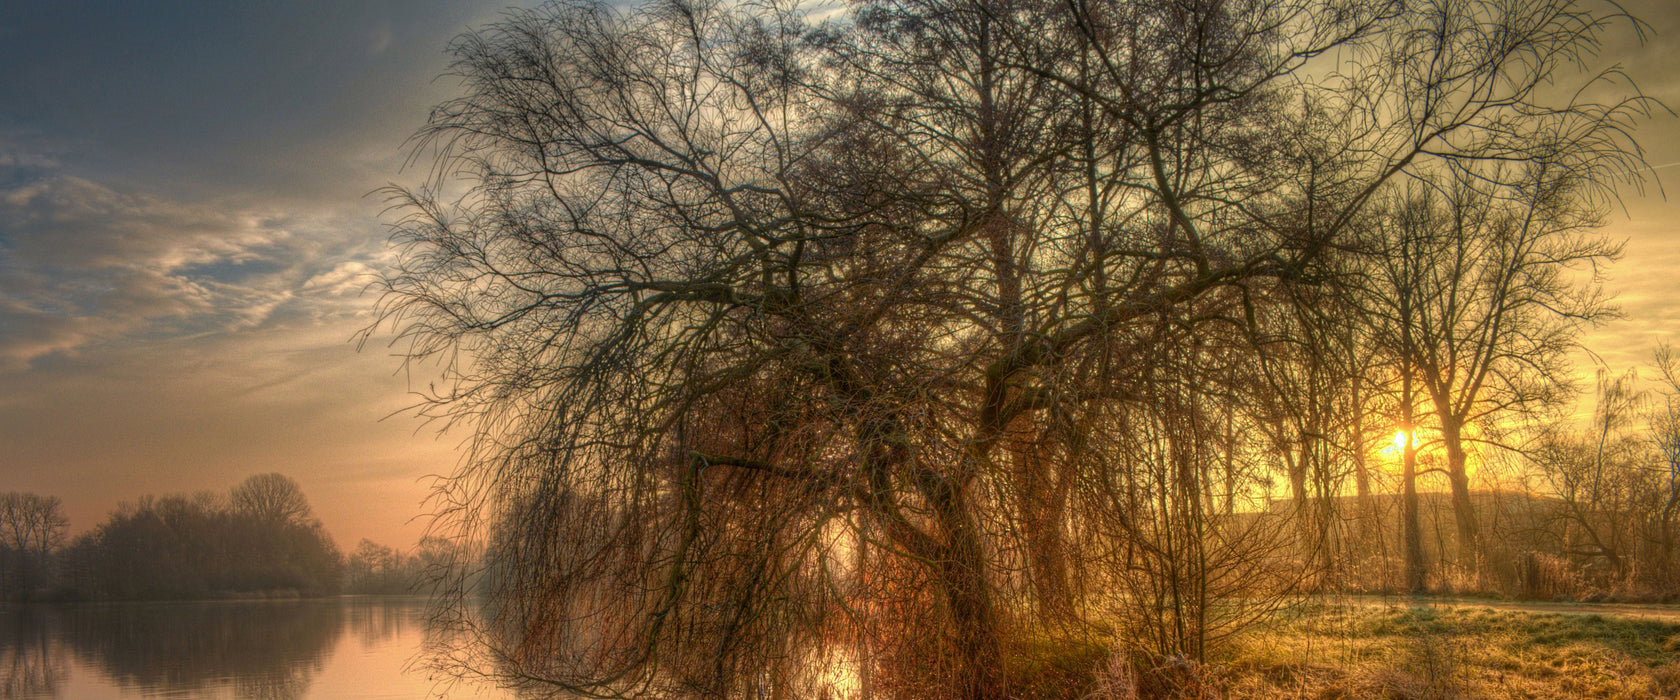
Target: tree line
[(903, 341), (259, 539)]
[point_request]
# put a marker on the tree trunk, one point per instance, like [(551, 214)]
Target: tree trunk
[(1296, 464), (1411, 534), (1043, 499), (1369, 522), (1464, 511), (974, 621), (961, 572)]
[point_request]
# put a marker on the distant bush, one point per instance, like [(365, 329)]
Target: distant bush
[(200, 546)]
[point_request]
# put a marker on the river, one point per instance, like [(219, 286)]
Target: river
[(349, 648)]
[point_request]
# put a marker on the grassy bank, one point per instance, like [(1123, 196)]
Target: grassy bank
[(1425, 652)]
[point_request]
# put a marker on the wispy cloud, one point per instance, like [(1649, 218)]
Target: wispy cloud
[(84, 263)]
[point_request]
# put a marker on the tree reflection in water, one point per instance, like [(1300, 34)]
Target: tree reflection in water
[(374, 621), (32, 658), (268, 649), (258, 650), (263, 650)]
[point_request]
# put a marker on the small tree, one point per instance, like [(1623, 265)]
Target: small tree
[(1661, 506), (1594, 473), (376, 568)]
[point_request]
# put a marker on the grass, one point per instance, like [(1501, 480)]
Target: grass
[(1423, 652)]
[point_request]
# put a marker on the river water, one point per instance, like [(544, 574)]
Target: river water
[(349, 648)]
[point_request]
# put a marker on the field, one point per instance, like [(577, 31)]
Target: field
[(1426, 651)]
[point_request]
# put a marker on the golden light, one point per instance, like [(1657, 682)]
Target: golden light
[(1400, 440)]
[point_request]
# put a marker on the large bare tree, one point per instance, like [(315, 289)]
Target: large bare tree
[(1510, 278), (790, 344)]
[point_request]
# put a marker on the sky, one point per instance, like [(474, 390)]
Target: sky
[(189, 215), (187, 220)]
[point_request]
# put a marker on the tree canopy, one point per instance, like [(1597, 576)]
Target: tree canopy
[(275, 497)]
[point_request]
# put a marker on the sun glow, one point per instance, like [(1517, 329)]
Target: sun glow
[(1400, 439)]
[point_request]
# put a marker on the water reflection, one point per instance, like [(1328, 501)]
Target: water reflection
[(375, 621), (263, 650), (32, 659), (268, 650)]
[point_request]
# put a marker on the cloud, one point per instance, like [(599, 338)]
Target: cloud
[(380, 40), (83, 264), (1643, 288), (72, 222), (30, 334), (23, 151), (345, 278)]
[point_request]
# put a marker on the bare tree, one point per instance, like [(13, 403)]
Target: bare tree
[(1662, 505), (1477, 299), (1314, 407), (1501, 309), (1397, 283), (31, 522), (1590, 471), (32, 528), (273, 496), (790, 345), (1616, 492)]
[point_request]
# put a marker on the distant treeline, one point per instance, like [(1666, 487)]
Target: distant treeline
[(258, 540), (375, 568)]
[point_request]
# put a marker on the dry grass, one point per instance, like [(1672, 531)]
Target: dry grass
[(1423, 652)]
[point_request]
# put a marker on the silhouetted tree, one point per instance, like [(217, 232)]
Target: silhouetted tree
[(1500, 310), (376, 568), (272, 497), (32, 527), (791, 344), (200, 546), (1593, 473), (1661, 507)]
